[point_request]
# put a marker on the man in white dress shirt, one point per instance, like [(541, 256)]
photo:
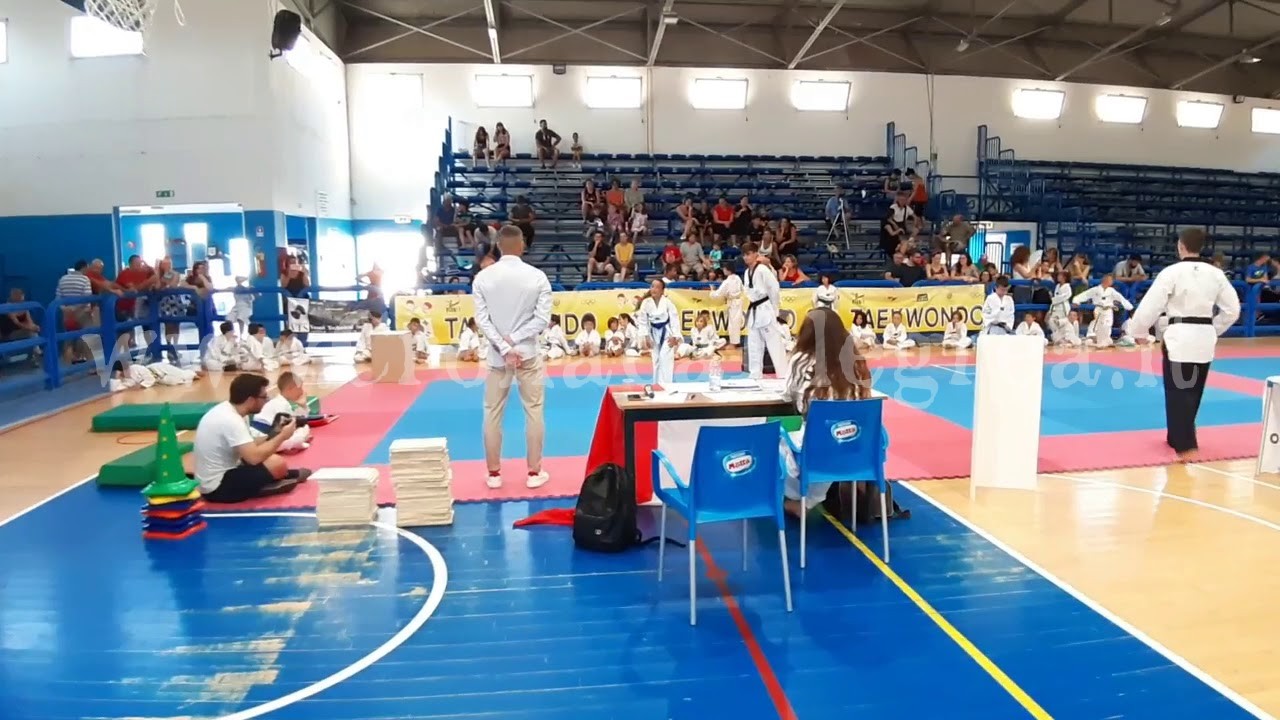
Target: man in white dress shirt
[(764, 301), (1187, 291), (513, 307)]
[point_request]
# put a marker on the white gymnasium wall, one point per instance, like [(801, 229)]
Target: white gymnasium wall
[(84, 135), (395, 144), (309, 139)]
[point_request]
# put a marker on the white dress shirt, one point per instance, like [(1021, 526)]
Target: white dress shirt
[(996, 310), (1188, 289), (763, 286), (513, 307)]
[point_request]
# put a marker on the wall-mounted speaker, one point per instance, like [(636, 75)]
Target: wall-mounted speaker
[(284, 32)]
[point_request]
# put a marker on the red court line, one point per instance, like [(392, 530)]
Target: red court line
[(771, 684)]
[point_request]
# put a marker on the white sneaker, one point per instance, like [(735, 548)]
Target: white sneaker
[(537, 481), (493, 481)]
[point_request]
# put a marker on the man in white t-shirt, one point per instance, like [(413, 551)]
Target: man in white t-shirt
[(233, 467), (290, 399)]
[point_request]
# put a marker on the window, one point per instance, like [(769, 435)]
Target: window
[(503, 91), (1038, 104), (4, 41), (1266, 120), (196, 236), (820, 96), (1196, 114), (719, 94), (155, 244), (1128, 109), (614, 93), (91, 37)]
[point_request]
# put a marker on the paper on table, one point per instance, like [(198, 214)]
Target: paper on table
[(740, 384), (687, 387), (670, 397), (750, 396)]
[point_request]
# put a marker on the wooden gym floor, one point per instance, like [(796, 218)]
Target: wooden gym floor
[(1180, 556)]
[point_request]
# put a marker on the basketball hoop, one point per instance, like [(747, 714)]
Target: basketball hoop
[(129, 15)]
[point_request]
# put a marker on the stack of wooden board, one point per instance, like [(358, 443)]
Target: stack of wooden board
[(346, 495), (421, 474)]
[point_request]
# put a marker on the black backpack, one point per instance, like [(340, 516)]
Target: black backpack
[(605, 517)]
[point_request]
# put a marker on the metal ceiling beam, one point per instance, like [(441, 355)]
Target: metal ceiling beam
[(735, 41), (1227, 61), (998, 46), (865, 39), (1106, 51), (576, 31), (813, 36), (414, 28), (661, 31), (1066, 11), (491, 18), (407, 33)]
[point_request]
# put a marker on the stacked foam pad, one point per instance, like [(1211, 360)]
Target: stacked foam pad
[(346, 495), (421, 474), (173, 517)]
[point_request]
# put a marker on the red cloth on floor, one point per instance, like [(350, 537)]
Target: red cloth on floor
[(608, 445), (553, 516)]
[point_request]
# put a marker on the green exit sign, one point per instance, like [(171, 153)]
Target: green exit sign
[(164, 193)]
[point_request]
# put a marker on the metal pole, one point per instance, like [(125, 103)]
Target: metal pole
[(813, 36)]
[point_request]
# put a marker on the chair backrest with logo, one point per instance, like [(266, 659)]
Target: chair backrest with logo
[(736, 473), (844, 440)]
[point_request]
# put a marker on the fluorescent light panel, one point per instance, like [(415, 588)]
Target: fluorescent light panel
[(1032, 104), (1197, 114), (503, 91), (614, 93), (820, 96), (719, 94), (1124, 109)]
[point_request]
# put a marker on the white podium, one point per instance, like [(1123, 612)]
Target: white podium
[(1006, 412), (1269, 454)]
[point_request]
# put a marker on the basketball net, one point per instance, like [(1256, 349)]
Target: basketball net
[(129, 15)]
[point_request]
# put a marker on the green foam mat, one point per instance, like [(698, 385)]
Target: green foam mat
[(138, 417), (313, 405), (137, 469)]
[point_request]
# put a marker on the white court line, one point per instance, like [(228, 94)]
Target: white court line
[(1116, 620), (953, 370), (1160, 493), (1237, 476), (440, 578), (49, 499)]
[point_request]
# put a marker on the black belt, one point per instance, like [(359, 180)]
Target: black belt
[(1191, 321), (751, 306)]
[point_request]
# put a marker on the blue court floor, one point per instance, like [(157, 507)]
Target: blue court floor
[(1254, 367), (97, 624)]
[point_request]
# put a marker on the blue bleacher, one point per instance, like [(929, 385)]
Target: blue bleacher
[(790, 186)]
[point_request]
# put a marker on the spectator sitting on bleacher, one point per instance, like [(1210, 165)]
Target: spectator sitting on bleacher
[(1261, 272), (722, 219), (956, 235), (693, 263), (548, 142), (444, 218), (1080, 269), (465, 223), (1220, 262), (909, 269), (624, 258), (590, 197), (702, 215), (919, 193), (598, 258), (790, 271), (937, 268), (788, 236), (522, 216), (576, 149), (615, 220), (480, 149), (964, 269), (1131, 270), (639, 224), (1020, 264), (769, 247), (614, 195), (19, 325), (893, 183), (1052, 263), (670, 254), (899, 224), (685, 223), (672, 274), (633, 196), (742, 215), (501, 143)]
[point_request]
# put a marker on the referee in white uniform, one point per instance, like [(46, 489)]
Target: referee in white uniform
[(1187, 292)]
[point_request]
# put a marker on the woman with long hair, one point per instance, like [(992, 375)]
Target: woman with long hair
[(826, 365)]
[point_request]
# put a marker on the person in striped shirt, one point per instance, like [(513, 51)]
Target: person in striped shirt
[(80, 316)]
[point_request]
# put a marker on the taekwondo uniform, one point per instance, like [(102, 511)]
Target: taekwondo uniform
[(1104, 301), (997, 315), (764, 298), (731, 290), (956, 336), (659, 321)]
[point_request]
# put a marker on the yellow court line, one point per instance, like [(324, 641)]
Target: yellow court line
[(984, 662)]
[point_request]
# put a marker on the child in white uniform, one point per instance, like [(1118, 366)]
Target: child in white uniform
[(788, 340), (553, 345), (956, 334), (1068, 335), (630, 336), (242, 304), (470, 348), (1104, 298), (223, 351), (864, 336), (289, 350), (1031, 328), (364, 346), (659, 322), (731, 290), (421, 341), (705, 342), (290, 400), (614, 341), (587, 341), (1060, 310), (253, 355), (895, 334)]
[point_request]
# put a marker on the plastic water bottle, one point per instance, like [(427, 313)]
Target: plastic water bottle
[(716, 372)]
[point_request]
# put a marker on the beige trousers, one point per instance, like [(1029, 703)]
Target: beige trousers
[(530, 379)]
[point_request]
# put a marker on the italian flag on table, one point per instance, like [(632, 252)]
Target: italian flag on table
[(675, 438)]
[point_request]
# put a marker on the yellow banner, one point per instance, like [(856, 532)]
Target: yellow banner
[(924, 310)]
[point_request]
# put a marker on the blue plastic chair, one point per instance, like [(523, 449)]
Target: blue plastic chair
[(736, 475), (844, 441)]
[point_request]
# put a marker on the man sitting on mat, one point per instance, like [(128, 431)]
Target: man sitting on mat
[(233, 467), (291, 400)]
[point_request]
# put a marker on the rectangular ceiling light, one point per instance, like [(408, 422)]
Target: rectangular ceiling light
[(820, 96), (1127, 109), (614, 93), (719, 94), (1266, 120), (503, 91), (91, 38), (1197, 114), (1038, 104)]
